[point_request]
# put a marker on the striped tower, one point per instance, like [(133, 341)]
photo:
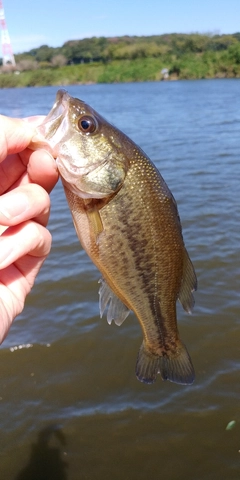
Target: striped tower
[(7, 53)]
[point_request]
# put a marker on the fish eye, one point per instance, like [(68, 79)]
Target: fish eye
[(87, 124)]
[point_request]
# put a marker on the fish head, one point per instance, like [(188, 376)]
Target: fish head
[(88, 150)]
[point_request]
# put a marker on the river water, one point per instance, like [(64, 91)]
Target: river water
[(71, 407)]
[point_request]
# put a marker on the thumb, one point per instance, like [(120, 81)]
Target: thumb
[(15, 135)]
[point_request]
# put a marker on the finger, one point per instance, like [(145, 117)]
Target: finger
[(29, 238), (15, 135), (34, 120), (24, 203), (9, 307), (11, 170), (16, 282), (13, 289), (42, 169)]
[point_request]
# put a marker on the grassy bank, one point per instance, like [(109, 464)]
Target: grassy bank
[(188, 66)]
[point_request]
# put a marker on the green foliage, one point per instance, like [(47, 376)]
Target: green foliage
[(38, 78), (9, 80), (44, 53), (128, 59), (234, 53), (105, 49), (86, 50)]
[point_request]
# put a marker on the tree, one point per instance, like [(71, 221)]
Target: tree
[(59, 60), (44, 53), (234, 53), (27, 64)]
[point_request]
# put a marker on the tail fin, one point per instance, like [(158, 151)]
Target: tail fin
[(177, 369)]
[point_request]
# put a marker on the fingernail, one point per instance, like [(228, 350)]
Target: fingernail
[(12, 205)]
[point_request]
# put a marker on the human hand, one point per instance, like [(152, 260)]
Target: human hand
[(26, 178)]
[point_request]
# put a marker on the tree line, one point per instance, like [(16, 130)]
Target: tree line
[(169, 48)]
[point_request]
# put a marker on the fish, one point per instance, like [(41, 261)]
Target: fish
[(127, 221)]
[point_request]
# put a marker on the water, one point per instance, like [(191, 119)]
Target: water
[(71, 407)]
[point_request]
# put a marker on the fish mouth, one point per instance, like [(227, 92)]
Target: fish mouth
[(72, 163), (53, 126), (55, 131)]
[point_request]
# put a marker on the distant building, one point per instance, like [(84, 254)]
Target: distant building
[(165, 73)]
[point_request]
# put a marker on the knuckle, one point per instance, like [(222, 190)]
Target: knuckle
[(40, 238)]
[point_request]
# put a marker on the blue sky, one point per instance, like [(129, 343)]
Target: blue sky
[(53, 22)]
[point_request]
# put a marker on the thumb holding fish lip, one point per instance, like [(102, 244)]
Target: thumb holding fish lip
[(15, 134), (15, 138)]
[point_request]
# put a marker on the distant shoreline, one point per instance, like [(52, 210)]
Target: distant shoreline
[(192, 67), (127, 59)]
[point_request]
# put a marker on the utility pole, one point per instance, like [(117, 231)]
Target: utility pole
[(8, 59)]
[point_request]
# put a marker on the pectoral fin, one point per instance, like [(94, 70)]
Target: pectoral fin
[(95, 221), (117, 311), (189, 284)]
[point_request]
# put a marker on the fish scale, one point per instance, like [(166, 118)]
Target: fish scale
[(127, 221)]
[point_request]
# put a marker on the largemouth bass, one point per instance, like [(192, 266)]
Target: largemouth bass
[(127, 221)]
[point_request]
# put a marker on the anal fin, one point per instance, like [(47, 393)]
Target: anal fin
[(116, 311), (189, 284)]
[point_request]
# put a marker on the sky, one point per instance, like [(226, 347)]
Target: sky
[(53, 22)]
